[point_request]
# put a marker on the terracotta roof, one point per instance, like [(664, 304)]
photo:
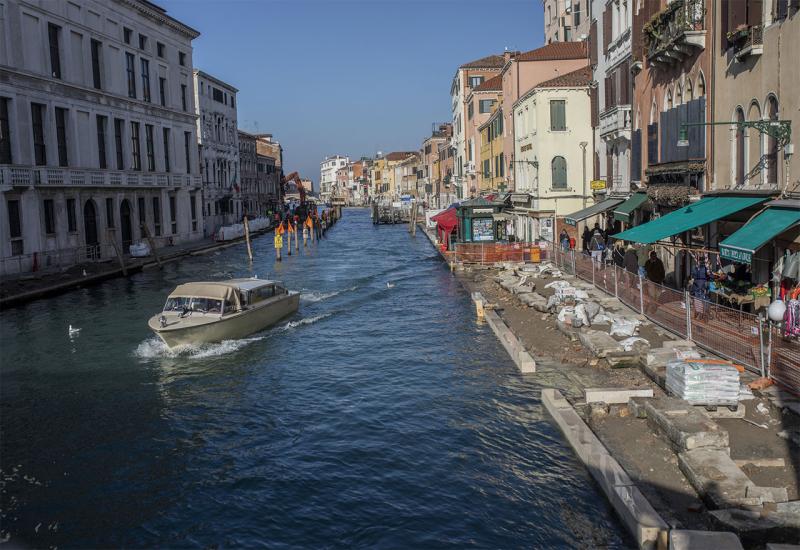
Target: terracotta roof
[(493, 84), (581, 77), (490, 61), (399, 155), (554, 51)]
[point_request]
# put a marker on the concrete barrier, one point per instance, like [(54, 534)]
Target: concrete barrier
[(522, 359)]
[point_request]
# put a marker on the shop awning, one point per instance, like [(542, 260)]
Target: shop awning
[(502, 216), (446, 220), (595, 209), (773, 221), (694, 215), (623, 211)]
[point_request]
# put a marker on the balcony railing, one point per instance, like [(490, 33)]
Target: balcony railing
[(26, 176), (675, 33), (748, 41), (616, 122), (619, 48)]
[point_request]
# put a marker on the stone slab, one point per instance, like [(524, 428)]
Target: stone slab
[(782, 547), (615, 395), (762, 462), (636, 406), (568, 330), (768, 494), (717, 478), (600, 344), (685, 426), (725, 412), (522, 359), (680, 539), (678, 344), (754, 527), (644, 523)]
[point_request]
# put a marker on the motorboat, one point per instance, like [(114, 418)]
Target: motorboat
[(206, 312)]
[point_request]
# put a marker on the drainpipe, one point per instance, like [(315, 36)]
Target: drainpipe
[(710, 97), (583, 145)]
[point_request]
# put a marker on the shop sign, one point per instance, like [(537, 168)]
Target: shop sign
[(598, 185), (483, 210), (736, 255)]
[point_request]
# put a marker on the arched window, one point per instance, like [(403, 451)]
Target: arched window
[(668, 101), (688, 94), (654, 113), (738, 144), (754, 143), (701, 85), (772, 143), (559, 170), (679, 94)]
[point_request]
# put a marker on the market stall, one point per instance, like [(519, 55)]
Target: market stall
[(476, 222)]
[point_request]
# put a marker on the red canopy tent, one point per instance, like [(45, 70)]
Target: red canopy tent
[(446, 221)]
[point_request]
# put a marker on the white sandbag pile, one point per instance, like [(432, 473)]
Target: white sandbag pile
[(703, 382)]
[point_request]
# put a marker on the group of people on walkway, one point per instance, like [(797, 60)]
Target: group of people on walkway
[(641, 262), (313, 226)]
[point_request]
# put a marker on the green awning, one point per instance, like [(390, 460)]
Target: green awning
[(773, 221), (595, 209), (623, 211), (694, 215)]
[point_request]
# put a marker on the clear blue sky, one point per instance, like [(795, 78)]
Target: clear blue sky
[(349, 76)]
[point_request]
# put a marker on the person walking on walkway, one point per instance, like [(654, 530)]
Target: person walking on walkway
[(631, 262), (699, 288), (563, 238), (654, 269), (597, 245), (585, 239), (618, 254)]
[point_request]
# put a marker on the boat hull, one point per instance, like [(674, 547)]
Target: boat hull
[(229, 327)]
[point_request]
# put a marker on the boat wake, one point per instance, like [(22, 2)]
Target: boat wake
[(305, 321), (316, 296), (154, 348)]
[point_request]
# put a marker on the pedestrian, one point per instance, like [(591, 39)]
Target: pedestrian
[(699, 286), (642, 255), (597, 245), (618, 254), (585, 239), (631, 263), (654, 269), (305, 236), (563, 238)]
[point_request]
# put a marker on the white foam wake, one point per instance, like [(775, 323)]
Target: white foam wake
[(305, 321), (154, 348), (317, 296)]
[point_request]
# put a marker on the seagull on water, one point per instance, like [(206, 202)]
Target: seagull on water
[(73, 331), (389, 285)]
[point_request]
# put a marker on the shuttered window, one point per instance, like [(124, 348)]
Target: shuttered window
[(559, 169), (558, 118)]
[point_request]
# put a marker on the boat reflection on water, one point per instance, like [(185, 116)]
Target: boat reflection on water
[(208, 312)]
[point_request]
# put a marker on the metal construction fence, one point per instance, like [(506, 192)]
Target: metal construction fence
[(492, 253), (731, 333)]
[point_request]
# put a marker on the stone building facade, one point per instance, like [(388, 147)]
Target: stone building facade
[(97, 131), (218, 139), (566, 20)]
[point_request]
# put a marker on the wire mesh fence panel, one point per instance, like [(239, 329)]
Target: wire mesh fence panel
[(583, 267), (784, 359), (664, 306), (628, 288), (604, 278), (731, 333)]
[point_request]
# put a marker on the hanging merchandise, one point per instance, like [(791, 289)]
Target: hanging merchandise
[(791, 319), (791, 266)]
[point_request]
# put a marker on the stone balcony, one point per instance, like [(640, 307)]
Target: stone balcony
[(676, 33), (615, 122), (619, 49), (45, 176)]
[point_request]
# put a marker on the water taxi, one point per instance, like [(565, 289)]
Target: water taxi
[(205, 312)]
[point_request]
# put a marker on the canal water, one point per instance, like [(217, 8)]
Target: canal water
[(380, 415)]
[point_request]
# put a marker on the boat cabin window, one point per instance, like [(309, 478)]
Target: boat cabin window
[(177, 304), (260, 294), (229, 308)]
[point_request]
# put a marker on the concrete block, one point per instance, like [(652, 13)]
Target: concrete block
[(644, 523), (701, 540), (754, 526), (686, 427), (725, 412), (568, 330), (679, 344), (761, 462), (767, 494), (717, 478), (600, 344), (636, 405), (615, 395), (782, 547)]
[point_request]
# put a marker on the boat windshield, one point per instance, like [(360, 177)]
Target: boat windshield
[(200, 305)]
